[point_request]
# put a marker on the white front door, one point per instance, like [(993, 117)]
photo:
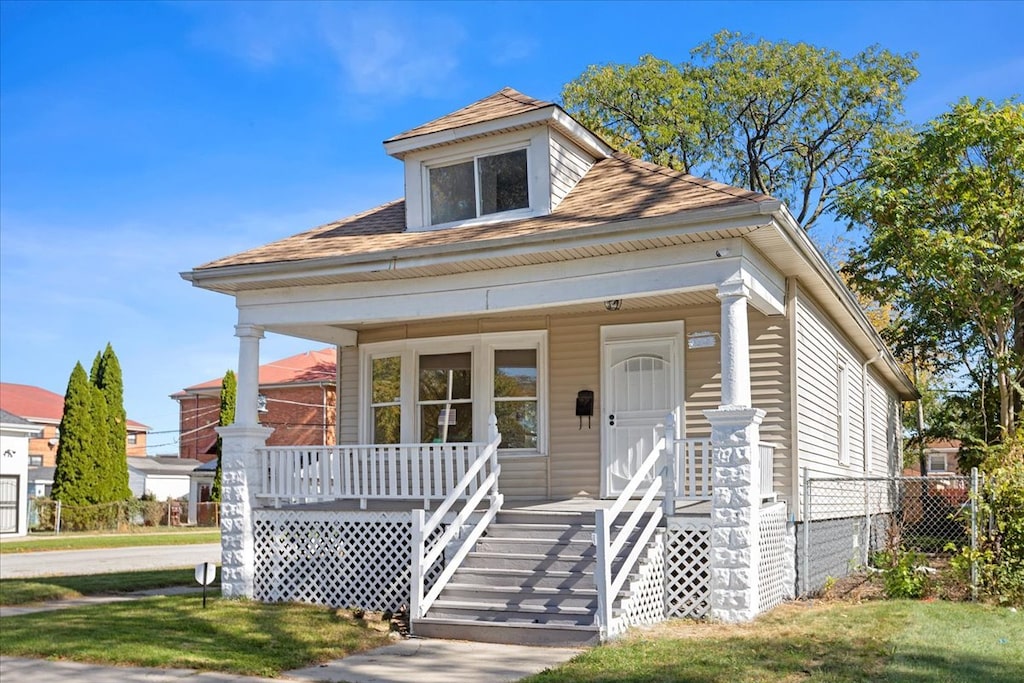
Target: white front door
[(641, 385)]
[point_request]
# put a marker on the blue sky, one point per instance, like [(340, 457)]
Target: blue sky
[(138, 140)]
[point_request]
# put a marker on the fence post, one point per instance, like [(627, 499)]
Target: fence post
[(974, 534), (805, 556), (56, 519)]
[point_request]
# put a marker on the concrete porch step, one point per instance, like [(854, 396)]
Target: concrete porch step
[(535, 562), (527, 577), (522, 596), (526, 546), (496, 609), (550, 635)]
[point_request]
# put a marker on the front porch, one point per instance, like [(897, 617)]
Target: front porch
[(425, 526)]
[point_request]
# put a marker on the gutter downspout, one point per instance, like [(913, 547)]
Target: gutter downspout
[(868, 434)]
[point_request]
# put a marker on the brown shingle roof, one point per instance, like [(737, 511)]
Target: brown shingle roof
[(506, 102), (616, 189)]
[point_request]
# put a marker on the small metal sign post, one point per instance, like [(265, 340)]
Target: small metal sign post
[(205, 575)]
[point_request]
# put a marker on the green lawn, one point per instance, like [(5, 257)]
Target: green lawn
[(821, 642), (83, 541), (229, 635), (24, 591), (884, 642)]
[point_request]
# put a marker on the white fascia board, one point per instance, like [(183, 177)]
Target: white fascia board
[(682, 223), (551, 114), (676, 269)]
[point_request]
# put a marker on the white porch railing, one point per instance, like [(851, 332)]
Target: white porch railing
[(304, 474), (766, 451), (611, 544), (427, 545), (693, 469)]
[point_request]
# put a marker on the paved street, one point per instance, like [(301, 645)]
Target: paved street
[(105, 560)]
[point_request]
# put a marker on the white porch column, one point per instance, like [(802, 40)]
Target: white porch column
[(735, 345), (735, 512), (736, 470), (246, 400), (240, 476)]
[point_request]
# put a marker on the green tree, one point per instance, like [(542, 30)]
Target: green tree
[(109, 381), (75, 475), (793, 121), (944, 211), (103, 485), (228, 392)]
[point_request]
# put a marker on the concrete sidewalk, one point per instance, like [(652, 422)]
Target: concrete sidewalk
[(414, 660)]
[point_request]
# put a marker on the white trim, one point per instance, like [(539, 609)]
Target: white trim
[(552, 114), (482, 347), (675, 331)]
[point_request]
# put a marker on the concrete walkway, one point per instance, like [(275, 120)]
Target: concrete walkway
[(417, 660)]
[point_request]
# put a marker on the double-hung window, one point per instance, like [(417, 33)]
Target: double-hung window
[(443, 390), (446, 397), (480, 186), (386, 398), (515, 397)]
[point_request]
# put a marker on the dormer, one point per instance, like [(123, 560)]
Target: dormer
[(506, 156)]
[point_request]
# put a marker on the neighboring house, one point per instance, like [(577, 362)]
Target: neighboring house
[(297, 399), (45, 409), (15, 433), (943, 459), (200, 490), (642, 340), (162, 477)]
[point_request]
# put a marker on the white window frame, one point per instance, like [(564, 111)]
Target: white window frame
[(843, 410), (482, 348), (441, 162)]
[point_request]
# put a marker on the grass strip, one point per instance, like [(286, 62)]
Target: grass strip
[(236, 636), (820, 643), (41, 589), (90, 541)]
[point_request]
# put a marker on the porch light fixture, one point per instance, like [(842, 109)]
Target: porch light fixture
[(613, 304)]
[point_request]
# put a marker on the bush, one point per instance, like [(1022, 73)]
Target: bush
[(1001, 549), (905, 574)]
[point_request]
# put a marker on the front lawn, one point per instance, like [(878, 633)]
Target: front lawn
[(40, 589), (235, 636), (87, 541), (885, 642)]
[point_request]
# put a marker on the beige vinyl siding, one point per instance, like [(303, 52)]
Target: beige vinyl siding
[(881, 430), (819, 353), (573, 464), (348, 397), (569, 163)]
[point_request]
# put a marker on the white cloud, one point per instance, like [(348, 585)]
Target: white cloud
[(393, 54), (388, 51)]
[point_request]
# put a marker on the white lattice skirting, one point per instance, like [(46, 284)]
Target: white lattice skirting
[(645, 601), (771, 582), (687, 567), (338, 559)]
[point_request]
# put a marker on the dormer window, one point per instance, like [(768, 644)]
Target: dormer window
[(483, 185)]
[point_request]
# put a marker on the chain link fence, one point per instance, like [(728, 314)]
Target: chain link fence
[(47, 515), (849, 520)]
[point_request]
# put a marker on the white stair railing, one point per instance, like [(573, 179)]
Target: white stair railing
[(427, 550), (611, 544)]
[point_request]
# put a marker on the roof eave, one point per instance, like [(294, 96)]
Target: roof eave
[(551, 114), (225, 279)]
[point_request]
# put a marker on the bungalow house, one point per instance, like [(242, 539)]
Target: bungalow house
[(577, 391)]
